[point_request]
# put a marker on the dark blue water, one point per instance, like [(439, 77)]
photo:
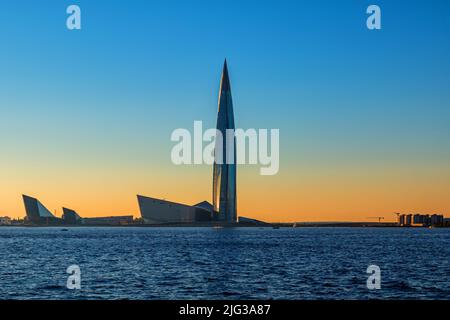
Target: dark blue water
[(203, 263)]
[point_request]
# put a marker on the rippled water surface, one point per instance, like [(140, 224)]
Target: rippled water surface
[(204, 263)]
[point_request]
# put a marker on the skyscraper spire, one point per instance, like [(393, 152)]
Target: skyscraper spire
[(225, 81), (224, 172)]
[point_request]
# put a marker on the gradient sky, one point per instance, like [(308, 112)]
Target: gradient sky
[(364, 116)]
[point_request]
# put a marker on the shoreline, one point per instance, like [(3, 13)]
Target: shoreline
[(234, 226)]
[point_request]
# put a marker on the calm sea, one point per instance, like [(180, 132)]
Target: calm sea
[(205, 263)]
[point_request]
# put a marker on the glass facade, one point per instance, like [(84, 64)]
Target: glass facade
[(224, 170)]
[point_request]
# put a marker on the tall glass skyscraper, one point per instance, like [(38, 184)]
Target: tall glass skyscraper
[(224, 170)]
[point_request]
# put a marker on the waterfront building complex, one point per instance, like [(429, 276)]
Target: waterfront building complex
[(421, 220), (157, 211)]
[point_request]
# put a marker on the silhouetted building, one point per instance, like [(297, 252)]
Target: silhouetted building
[(401, 220), (37, 213), (157, 211), (447, 222), (71, 217), (418, 219), (408, 219), (437, 220), (205, 205), (250, 221), (422, 220), (5, 221), (108, 221)]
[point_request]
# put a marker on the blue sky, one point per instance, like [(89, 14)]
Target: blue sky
[(111, 93)]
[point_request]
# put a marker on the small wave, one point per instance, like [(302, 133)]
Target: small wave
[(400, 285), (52, 287)]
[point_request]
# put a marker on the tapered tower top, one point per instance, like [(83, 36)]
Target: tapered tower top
[(225, 81)]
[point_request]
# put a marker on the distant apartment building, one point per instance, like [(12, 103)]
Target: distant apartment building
[(5, 221), (408, 219), (401, 220), (437, 220), (446, 222), (420, 220)]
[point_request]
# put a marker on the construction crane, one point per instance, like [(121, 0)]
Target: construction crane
[(398, 217), (379, 218)]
